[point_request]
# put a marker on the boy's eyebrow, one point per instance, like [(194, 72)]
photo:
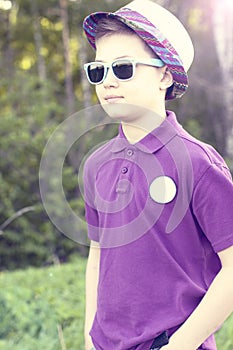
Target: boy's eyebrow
[(117, 58)]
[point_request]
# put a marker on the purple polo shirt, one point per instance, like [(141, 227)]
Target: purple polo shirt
[(161, 209)]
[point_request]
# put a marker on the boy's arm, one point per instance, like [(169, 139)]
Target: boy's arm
[(213, 310), (92, 278)]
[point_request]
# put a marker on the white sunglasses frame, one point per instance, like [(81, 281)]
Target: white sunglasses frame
[(153, 62)]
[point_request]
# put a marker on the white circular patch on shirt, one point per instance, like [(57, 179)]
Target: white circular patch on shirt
[(163, 189)]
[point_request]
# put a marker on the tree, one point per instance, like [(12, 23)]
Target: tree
[(38, 41), (223, 35), (68, 65)]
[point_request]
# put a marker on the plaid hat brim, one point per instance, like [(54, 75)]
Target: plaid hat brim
[(154, 39)]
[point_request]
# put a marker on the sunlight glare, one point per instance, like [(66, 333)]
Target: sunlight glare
[(228, 4), (5, 5)]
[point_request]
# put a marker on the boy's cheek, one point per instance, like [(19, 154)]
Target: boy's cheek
[(99, 94)]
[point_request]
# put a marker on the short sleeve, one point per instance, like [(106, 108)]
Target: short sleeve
[(91, 213), (213, 207)]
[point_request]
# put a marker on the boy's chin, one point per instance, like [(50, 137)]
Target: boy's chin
[(123, 112)]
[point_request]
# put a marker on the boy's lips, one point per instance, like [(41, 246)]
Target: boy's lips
[(113, 98)]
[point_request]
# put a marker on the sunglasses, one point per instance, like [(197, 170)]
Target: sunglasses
[(123, 69)]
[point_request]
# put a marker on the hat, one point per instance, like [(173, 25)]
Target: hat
[(162, 32)]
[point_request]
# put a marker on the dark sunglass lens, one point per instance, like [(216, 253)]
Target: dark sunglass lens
[(123, 70), (96, 73)]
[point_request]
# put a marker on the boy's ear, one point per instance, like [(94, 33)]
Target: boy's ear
[(167, 79)]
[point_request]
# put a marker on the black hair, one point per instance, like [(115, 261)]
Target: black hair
[(108, 26)]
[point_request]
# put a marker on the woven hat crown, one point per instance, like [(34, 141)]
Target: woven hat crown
[(169, 25)]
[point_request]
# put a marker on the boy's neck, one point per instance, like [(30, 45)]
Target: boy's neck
[(137, 130)]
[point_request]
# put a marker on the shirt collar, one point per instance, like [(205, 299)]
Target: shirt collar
[(152, 142)]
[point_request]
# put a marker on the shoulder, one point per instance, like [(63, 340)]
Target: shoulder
[(190, 150), (203, 156)]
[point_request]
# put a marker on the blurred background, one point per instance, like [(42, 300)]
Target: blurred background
[(42, 82)]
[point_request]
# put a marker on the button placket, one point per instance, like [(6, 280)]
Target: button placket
[(130, 152), (124, 170), (129, 157)]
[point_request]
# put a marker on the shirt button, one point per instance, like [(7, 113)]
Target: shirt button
[(129, 153), (124, 170)]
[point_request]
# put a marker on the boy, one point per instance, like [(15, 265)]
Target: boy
[(158, 202)]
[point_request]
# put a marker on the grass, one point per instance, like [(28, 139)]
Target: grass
[(44, 309)]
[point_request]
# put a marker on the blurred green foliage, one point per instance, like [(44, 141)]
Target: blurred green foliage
[(25, 129), (39, 308)]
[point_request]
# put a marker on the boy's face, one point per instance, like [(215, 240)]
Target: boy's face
[(145, 89)]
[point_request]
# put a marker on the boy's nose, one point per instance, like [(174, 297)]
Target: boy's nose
[(110, 79)]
